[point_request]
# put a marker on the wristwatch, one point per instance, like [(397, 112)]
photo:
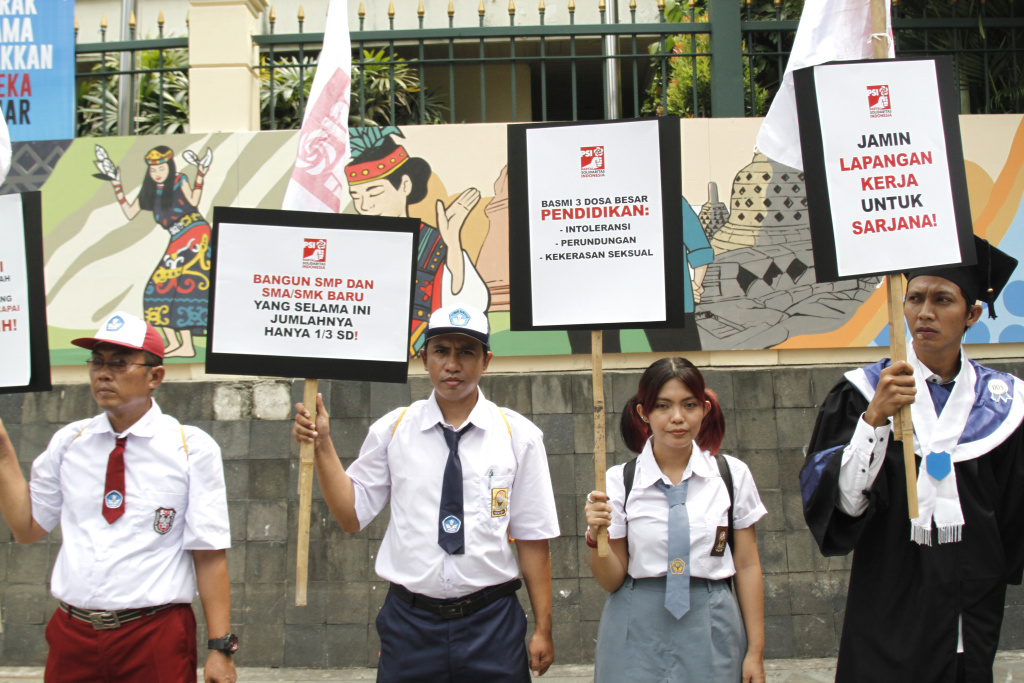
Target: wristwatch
[(228, 644)]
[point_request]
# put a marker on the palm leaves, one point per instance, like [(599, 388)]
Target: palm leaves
[(374, 78), (162, 95)]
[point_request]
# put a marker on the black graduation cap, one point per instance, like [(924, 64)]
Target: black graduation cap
[(984, 280)]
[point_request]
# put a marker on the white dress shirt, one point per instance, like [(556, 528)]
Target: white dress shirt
[(408, 466), (707, 504), (130, 563), (862, 461)]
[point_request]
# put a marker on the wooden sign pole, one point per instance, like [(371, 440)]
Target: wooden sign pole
[(600, 462), (305, 498), (903, 425)]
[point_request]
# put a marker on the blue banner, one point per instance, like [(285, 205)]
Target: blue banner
[(37, 68)]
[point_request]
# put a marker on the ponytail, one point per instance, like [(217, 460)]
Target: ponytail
[(712, 429), (635, 431)]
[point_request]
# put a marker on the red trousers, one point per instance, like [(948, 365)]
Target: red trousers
[(158, 648)]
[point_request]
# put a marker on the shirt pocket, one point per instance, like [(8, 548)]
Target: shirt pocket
[(495, 500), (708, 535), (160, 516)]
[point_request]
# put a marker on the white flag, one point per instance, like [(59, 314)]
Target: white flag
[(319, 170), (5, 149), (829, 30)]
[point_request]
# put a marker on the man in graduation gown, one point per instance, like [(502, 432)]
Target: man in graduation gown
[(925, 601)]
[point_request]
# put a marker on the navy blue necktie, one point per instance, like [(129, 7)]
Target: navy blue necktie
[(450, 534)]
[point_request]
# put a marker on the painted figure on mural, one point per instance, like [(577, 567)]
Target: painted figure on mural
[(697, 254), (176, 298), (384, 181)]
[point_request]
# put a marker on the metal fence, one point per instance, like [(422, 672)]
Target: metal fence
[(132, 87), (727, 61)]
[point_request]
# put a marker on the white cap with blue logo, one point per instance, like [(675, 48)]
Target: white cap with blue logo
[(460, 319)]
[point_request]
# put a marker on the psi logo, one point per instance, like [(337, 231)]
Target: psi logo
[(592, 162), (314, 253), (879, 103)]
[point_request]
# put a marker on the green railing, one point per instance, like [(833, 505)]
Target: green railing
[(564, 68), (727, 61), (157, 87)]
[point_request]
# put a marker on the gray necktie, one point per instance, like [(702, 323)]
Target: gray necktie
[(677, 578)]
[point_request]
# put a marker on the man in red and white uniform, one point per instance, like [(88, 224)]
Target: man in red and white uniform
[(143, 512)]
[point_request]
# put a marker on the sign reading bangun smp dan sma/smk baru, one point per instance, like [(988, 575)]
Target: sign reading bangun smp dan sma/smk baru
[(886, 186), (23, 343), (596, 225), (301, 293)]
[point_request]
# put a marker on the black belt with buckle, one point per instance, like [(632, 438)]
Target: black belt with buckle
[(107, 620), (460, 607)]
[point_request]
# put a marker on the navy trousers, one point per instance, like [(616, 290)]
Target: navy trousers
[(488, 645)]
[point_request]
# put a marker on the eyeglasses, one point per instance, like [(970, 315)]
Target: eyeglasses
[(115, 365)]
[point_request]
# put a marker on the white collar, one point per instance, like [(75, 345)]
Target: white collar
[(701, 463), (480, 416), (145, 426)]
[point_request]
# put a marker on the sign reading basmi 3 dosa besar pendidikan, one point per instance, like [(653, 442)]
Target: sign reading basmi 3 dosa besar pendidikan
[(298, 294), (886, 185), (595, 225), (23, 338)]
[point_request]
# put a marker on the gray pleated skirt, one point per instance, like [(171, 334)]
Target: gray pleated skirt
[(640, 642)]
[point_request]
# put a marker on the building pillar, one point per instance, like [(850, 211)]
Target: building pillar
[(224, 82)]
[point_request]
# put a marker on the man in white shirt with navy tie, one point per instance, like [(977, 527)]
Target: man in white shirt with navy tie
[(464, 477)]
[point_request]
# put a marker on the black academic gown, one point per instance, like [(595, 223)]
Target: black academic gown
[(904, 598)]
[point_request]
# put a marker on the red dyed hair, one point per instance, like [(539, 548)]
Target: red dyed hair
[(635, 431)]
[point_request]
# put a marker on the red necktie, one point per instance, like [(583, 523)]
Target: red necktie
[(113, 489)]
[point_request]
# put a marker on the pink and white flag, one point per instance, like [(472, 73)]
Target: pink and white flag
[(5, 149), (319, 171), (829, 30)]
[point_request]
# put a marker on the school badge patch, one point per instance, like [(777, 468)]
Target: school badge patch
[(451, 524), (499, 502), (677, 566), (163, 520), (721, 539)]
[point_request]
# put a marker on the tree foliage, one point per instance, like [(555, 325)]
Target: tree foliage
[(98, 95), (374, 79), (681, 72)]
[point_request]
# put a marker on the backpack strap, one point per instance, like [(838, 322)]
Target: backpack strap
[(507, 425), (723, 469), (400, 416), (628, 475)]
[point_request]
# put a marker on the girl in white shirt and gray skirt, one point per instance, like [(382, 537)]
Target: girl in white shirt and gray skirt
[(679, 543)]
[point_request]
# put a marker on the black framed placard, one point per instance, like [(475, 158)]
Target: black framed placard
[(884, 166), (24, 345), (596, 227), (306, 294)]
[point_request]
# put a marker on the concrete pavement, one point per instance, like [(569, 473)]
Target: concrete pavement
[(1009, 667)]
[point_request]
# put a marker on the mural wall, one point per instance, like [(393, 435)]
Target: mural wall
[(126, 226)]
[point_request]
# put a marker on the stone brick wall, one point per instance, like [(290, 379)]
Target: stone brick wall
[(769, 412)]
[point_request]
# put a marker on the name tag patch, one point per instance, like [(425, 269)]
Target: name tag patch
[(721, 540), (499, 502)]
